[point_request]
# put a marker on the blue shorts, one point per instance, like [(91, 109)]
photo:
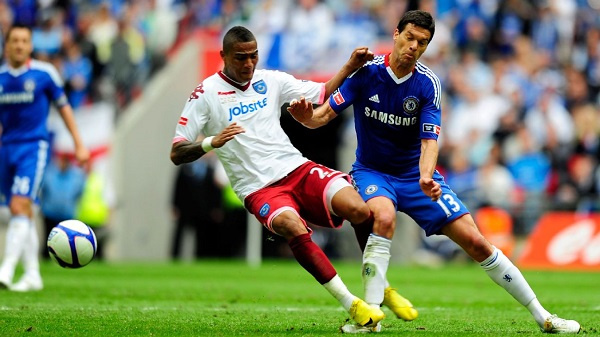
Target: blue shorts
[(404, 191), (22, 169)]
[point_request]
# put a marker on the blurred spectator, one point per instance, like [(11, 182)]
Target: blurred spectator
[(77, 71), (580, 190), (24, 11), (462, 176), (125, 64), (531, 169), (197, 206), (544, 33), (551, 126), (268, 20), (586, 119), (47, 36), (88, 50), (60, 192), (160, 30), (102, 30), (6, 20), (306, 47), (495, 182)]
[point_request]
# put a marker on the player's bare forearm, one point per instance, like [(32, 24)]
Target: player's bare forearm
[(186, 152), (427, 163), (359, 57), (82, 154), (303, 112)]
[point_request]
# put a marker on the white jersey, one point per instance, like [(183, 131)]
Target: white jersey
[(263, 154)]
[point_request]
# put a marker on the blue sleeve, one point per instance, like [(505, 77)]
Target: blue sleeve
[(344, 96), (55, 89), (431, 113)]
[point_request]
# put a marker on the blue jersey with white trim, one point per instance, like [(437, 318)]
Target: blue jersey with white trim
[(25, 97), (391, 114)]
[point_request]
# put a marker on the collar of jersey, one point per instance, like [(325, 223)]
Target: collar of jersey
[(18, 71), (391, 72), (240, 86)]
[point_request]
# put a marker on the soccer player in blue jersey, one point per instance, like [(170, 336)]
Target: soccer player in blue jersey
[(27, 88), (397, 114)]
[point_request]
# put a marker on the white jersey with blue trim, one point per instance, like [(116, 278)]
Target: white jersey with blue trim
[(391, 114), (263, 154), (25, 97)]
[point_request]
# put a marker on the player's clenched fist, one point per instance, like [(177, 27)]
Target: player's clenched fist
[(360, 56)]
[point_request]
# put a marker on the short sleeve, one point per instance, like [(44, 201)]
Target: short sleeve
[(193, 117)]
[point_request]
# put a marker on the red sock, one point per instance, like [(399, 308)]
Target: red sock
[(312, 258), (363, 230)]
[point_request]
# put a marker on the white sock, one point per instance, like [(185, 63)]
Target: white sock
[(500, 269), (16, 235), (31, 261), (376, 259), (338, 289)]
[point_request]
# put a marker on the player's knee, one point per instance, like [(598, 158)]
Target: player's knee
[(288, 227), (479, 247), (385, 224)]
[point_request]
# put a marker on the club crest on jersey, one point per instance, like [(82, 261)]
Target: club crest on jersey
[(29, 85), (264, 210), (410, 105), (260, 87), (370, 189), (431, 128)]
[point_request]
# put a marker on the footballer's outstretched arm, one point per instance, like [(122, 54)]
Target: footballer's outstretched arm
[(359, 57), (186, 151), (303, 112)]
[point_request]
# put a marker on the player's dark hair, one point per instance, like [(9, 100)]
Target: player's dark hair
[(234, 35), (17, 26), (418, 18)]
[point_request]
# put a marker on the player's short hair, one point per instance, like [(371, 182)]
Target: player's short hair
[(234, 35), (16, 26), (418, 18)]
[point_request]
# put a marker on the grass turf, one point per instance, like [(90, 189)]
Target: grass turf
[(228, 298)]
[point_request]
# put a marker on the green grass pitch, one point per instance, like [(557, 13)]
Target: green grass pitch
[(228, 298)]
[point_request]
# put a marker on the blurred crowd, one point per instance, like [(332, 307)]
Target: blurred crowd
[(521, 78)]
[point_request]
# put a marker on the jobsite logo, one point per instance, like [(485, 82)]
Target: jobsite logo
[(564, 240)]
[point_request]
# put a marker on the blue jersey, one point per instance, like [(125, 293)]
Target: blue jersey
[(25, 97), (391, 114)]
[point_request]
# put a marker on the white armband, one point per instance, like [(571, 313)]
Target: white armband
[(207, 144)]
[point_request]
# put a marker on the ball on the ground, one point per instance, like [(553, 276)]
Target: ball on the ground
[(72, 244)]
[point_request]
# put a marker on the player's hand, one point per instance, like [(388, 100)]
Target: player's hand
[(301, 110), (82, 154), (431, 188), (227, 134), (359, 57)]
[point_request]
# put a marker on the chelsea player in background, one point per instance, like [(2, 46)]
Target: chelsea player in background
[(27, 87), (398, 120)]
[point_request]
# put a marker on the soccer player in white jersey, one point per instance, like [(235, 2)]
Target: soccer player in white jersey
[(397, 115), (27, 88), (238, 111)]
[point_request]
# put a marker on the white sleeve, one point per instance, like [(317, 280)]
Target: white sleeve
[(292, 87), (193, 118)]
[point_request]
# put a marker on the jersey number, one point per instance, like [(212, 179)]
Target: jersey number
[(321, 172), (454, 206), (21, 186)]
